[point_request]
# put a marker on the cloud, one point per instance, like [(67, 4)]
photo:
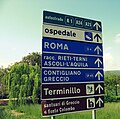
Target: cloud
[(117, 38), (108, 49), (107, 54), (108, 61), (4, 63), (108, 57)]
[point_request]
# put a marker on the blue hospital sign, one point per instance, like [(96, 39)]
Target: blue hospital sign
[(88, 36), (72, 64)]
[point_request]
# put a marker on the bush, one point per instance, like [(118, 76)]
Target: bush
[(109, 98), (118, 98)]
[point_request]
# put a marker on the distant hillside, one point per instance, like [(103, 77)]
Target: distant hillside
[(116, 72)]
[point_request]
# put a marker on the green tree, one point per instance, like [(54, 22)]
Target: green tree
[(112, 82), (33, 59), (3, 82), (23, 82)]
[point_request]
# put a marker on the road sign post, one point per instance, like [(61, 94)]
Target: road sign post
[(52, 117), (93, 114), (72, 65)]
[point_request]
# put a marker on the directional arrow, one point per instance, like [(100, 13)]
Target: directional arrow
[(98, 62), (98, 74), (98, 50), (99, 101), (99, 88), (97, 26), (97, 36)]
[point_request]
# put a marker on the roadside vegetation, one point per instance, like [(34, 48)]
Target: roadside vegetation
[(20, 85)]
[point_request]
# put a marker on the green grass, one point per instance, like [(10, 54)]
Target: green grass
[(4, 114), (110, 111), (31, 110)]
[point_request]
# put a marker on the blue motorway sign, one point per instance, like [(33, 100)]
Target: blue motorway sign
[(71, 21), (71, 61), (75, 47), (71, 75)]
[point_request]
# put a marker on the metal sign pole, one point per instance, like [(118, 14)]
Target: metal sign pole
[(93, 114), (52, 117)]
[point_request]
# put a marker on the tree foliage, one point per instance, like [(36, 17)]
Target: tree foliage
[(22, 82), (112, 87), (33, 59), (3, 82)]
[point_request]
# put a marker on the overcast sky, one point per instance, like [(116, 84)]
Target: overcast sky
[(21, 26)]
